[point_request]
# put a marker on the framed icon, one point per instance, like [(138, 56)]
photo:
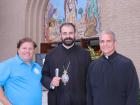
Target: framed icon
[(84, 14)]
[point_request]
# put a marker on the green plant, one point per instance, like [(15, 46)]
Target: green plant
[(93, 54), (139, 97)]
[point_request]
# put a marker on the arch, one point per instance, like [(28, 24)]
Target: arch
[(34, 20)]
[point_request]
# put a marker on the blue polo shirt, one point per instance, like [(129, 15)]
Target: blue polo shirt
[(21, 81)]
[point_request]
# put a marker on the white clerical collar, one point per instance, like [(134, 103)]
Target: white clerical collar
[(68, 47), (110, 56), (106, 56)]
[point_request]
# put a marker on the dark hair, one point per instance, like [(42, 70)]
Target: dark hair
[(68, 24), (26, 39)]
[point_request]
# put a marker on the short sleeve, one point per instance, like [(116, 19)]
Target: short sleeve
[(4, 73)]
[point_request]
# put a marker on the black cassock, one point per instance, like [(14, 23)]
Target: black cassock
[(74, 92), (112, 81)]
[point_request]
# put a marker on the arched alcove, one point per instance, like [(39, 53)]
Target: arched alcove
[(34, 20)]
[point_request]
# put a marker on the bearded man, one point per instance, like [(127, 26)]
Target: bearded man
[(64, 71)]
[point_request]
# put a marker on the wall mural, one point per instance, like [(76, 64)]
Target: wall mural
[(83, 13)]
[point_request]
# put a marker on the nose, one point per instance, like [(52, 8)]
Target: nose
[(68, 34), (105, 43), (27, 49)]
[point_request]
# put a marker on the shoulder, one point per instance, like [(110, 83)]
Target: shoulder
[(7, 62), (7, 65), (83, 53), (55, 50), (97, 63), (123, 58), (81, 49), (98, 60), (124, 63)]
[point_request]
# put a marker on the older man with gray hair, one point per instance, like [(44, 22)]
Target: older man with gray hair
[(112, 79)]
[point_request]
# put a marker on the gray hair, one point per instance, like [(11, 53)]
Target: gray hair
[(108, 32)]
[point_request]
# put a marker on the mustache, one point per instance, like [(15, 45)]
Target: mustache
[(68, 39)]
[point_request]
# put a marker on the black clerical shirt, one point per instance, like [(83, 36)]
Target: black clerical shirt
[(74, 92), (112, 81)]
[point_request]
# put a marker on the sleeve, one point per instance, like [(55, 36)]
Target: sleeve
[(89, 86), (46, 74), (4, 73), (133, 86)]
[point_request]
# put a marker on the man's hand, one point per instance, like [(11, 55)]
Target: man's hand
[(55, 81)]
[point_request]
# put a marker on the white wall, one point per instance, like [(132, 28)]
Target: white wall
[(12, 14)]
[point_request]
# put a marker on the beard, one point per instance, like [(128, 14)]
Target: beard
[(68, 41)]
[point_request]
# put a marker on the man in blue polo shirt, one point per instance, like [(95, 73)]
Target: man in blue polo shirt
[(20, 77)]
